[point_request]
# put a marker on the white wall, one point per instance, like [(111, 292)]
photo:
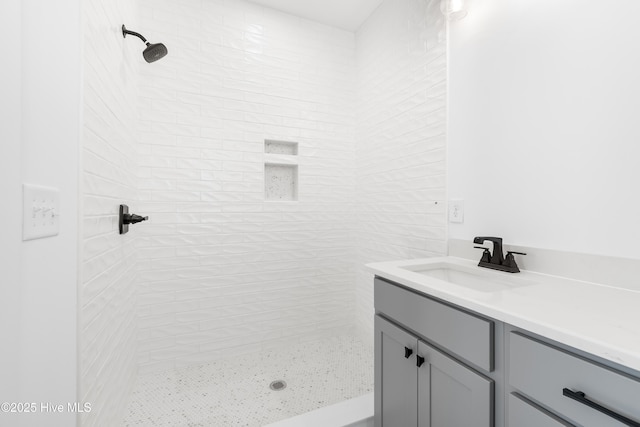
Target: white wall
[(40, 137), (543, 133), (108, 328), (400, 139), (222, 271), (10, 189)]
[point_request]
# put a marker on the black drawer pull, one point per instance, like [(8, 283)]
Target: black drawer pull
[(407, 352), (582, 398), (419, 361)]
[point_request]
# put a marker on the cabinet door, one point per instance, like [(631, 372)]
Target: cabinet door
[(396, 377), (450, 394)]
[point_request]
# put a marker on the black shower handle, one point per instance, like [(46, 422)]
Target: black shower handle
[(125, 219), (133, 218)]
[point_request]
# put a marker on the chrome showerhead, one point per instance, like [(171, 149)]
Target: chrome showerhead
[(153, 52)]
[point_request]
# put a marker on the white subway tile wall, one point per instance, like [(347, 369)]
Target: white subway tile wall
[(222, 271), (218, 270), (401, 137), (107, 318)]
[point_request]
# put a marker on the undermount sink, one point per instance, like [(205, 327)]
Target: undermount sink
[(471, 278)]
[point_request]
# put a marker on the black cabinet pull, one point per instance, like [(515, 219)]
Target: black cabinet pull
[(419, 361), (407, 352), (582, 398)]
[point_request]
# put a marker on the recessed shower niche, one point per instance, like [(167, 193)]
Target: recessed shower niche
[(280, 170)]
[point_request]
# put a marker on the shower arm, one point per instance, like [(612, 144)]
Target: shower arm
[(133, 33)]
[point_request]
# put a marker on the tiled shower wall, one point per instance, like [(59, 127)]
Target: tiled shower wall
[(401, 130), (222, 271), (107, 320)]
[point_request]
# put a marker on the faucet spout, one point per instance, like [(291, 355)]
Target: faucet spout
[(497, 258)]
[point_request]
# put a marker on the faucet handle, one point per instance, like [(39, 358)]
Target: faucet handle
[(510, 261), (486, 255)]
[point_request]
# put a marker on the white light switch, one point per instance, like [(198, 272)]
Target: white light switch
[(41, 212), (456, 211)]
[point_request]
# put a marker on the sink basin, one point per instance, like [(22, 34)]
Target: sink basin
[(471, 278)]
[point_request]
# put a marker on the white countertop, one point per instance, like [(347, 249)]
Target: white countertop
[(598, 319)]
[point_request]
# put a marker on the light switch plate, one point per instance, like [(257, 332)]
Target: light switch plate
[(456, 211), (41, 212)]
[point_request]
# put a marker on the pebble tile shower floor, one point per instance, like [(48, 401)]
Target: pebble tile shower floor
[(236, 392)]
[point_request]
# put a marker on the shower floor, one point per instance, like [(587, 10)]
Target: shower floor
[(236, 392)]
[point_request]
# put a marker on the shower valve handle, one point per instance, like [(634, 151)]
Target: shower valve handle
[(125, 219), (133, 218)]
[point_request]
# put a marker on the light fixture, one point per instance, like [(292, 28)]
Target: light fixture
[(453, 9)]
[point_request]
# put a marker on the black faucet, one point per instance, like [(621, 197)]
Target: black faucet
[(497, 261)]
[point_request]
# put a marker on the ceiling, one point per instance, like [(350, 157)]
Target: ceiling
[(346, 14)]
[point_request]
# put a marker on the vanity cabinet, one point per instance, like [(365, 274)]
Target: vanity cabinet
[(439, 365), (418, 385)]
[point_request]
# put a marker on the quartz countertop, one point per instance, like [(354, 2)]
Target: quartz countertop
[(602, 320)]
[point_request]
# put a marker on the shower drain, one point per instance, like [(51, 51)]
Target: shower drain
[(278, 385)]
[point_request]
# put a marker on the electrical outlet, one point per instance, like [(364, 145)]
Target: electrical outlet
[(456, 211), (41, 212)]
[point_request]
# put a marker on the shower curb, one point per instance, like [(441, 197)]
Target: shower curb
[(356, 412)]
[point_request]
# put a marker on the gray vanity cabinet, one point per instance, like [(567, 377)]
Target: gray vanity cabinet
[(440, 365), (417, 384)]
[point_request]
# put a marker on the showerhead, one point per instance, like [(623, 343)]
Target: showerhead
[(153, 52)]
